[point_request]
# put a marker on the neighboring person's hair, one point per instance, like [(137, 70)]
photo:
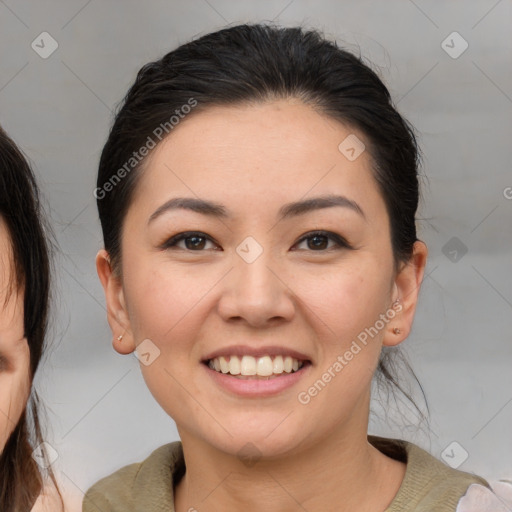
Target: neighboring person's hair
[(251, 64), (21, 480)]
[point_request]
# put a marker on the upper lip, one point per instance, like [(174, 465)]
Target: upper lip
[(260, 351)]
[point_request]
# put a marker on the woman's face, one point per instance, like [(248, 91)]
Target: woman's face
[(14, 350), (249, 282)]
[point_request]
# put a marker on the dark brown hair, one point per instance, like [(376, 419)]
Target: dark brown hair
[(21, 480), (256, 63)]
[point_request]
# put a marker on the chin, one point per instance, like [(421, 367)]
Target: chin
[(251, 446)]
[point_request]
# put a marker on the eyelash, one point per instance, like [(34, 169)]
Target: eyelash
[(339, 241)]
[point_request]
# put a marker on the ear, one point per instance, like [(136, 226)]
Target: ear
[(406, 288), (117, 313)]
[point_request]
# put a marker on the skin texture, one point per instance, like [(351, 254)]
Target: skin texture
[(253, 160), (14, 350)]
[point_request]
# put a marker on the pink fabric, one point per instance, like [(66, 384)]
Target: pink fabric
[(481, 499)]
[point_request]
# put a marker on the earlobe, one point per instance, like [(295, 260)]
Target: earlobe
[(117, 314), (123, 344), (406, 287)]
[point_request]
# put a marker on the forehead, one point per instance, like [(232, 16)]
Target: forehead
[(11, 299), (6, 258), (257, 154)]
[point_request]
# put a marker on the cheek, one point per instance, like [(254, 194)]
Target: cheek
[(14, 392), (347, 300), (346, 307), (165, 307), (162, 302)]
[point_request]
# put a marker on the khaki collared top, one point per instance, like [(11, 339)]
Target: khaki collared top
[(428, 485)]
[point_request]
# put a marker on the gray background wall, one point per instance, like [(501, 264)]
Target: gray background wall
[(59, 110)]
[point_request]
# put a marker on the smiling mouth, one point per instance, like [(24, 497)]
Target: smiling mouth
[(249, 367)]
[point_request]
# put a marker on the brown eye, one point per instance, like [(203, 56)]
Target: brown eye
[(4, 364), (195, 242), (319, 241), (192, 241)]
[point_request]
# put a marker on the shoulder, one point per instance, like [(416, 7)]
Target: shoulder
[(497, 498), (428, 484), (53, 500), (48, 501), (148, 483)]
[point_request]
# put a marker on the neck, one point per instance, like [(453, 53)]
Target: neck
[(342, 472)]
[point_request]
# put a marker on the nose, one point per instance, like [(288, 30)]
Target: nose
[(256, 293)]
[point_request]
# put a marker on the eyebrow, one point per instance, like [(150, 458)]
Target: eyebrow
[(294, 209)]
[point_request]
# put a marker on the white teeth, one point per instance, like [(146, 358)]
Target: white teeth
[(265, 366), (262, 366), (224, 365), (234, 365), (248, 366), (278, 364)]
